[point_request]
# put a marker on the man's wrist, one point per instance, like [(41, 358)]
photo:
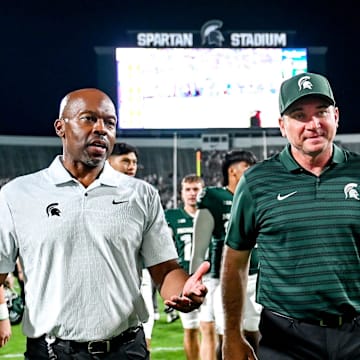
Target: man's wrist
[(4, 312)]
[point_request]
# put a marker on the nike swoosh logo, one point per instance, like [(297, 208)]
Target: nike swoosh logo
[(283, 197), (119, 202)]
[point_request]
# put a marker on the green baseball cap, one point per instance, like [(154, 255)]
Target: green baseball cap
[(301, 85)]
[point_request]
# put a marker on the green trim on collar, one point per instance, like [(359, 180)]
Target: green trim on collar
[(338, 155)]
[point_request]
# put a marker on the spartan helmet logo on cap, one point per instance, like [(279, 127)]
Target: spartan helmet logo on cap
[(210, 33), (351, 192), (305, 83)]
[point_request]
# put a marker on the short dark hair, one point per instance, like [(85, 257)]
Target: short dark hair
[(124, 148), (235, 156)]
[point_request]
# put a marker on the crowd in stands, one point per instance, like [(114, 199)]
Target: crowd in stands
[(164, 185), (163, 182), (211, 173), (210, 168)]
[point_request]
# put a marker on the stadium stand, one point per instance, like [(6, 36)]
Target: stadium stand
[(25, 155), (18, 160)]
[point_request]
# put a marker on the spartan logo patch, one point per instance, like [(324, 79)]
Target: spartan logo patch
[(53, 210), (305, 83), (351, 192)]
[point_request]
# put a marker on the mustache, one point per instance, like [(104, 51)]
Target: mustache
[(100, 141)]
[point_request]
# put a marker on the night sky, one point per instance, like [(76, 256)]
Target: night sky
[(47, 49)]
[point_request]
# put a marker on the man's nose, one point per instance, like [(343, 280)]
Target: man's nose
[(99, 126), (315, 123)]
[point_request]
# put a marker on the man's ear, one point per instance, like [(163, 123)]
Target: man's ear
[(231, 170), (282, 127), (59, 127)]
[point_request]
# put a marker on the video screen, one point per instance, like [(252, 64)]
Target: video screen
[(197, 88)]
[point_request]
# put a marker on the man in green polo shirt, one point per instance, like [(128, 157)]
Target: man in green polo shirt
[(301, 208)]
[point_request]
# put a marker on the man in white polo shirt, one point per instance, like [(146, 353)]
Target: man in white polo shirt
[(83, 231), (124, 158)]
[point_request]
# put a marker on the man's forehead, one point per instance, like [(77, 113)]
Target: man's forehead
[(190, 184), (73, 105)]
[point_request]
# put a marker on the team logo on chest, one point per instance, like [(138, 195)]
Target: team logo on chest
[(351, 192), (53, 210)]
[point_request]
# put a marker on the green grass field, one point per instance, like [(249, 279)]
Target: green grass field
[(167, 341)]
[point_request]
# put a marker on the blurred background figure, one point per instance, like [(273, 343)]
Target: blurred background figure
[(255, 120), (180, 221), (5, 326), (124, 158), (210, 226)]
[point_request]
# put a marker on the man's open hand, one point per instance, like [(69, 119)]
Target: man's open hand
[(193, 293)]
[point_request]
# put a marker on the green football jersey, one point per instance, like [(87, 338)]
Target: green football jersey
[(307, 229), (181, 224), (218, 201)]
